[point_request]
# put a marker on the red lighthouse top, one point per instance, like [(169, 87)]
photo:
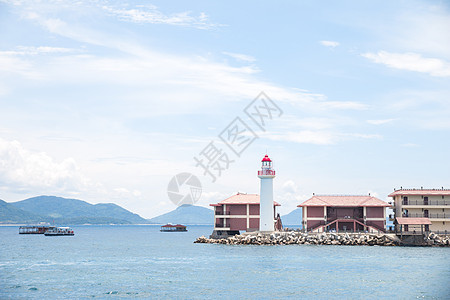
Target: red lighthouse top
[(266, 168), (266, 158)]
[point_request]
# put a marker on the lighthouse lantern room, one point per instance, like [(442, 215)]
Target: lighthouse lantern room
[(266, 209)]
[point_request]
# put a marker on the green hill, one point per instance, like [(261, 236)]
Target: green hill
[(73, 211), (11, 214), (186, 215)]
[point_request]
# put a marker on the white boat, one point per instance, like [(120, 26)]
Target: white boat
[(56, 231)]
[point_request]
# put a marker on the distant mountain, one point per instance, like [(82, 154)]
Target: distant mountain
[(73, 211), (293, 218), (11, 214), (186, 215)]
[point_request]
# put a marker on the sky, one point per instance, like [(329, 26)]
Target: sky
[(106, 101)]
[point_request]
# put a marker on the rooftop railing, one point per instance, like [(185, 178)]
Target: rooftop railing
[(422, 189)]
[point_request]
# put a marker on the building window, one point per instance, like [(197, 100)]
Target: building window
[(427, 227), (425, 213), (405, 200), (425, 201)]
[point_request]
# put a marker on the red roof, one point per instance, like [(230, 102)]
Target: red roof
[(266, 158), (413, 221), (418, 192), (242, 199), (354, 201), (170, 225)]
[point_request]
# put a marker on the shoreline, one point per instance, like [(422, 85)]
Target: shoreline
[(299, 238)]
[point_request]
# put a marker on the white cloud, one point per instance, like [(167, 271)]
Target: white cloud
[(329, 44), (11, 64), (241, 57), (380, 122), (174, 76), (125, 193), (25, 170), (411, 62), (290, 187), (289, 197), (151, 14), (25, 50)]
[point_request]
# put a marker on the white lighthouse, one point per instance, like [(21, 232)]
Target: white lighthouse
[(266, 210)]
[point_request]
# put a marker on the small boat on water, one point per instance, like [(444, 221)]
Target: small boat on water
[(57, 231), (34, 229), (173, 228)]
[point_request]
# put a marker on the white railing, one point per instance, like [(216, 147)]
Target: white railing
[(266, 172)]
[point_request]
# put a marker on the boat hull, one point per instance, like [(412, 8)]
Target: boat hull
[(58, 234)]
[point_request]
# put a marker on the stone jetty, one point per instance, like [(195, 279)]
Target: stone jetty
[(434, 239), (330, 238)]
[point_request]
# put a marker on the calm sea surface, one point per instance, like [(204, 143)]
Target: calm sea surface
[(140, 261)]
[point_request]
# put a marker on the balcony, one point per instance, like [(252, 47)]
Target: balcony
[(266, 172), (427, 202), (430, 216)]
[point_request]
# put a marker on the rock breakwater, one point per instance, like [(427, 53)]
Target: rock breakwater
[(299, 238), (434, 239)]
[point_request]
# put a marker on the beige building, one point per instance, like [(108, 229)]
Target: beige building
[(433, 204)]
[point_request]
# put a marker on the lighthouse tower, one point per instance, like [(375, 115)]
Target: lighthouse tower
[(266, 211)]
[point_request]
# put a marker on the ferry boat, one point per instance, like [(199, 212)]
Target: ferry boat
[(57, 231), (173, 228), (34, 229)]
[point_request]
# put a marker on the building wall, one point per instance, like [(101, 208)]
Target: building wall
[(374, 212), (254, 223), (237, 209), (219, 221), (416, 207), (254, 209), (342, 212), (440, 226), (238, 218), (315, 211), (376, 224), (219, 209), (238, 223), (313, 223)]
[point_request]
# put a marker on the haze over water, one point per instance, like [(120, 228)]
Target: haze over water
[(140, 261)]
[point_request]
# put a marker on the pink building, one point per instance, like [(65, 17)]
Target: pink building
[(237, 213), (344, 213)]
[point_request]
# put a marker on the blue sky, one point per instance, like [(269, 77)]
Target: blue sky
[(106, 101)]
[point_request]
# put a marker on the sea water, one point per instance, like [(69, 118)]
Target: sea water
[(140, 261)]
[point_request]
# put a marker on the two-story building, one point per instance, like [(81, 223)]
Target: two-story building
[(433, 204), (344, 213), (239, 212)]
